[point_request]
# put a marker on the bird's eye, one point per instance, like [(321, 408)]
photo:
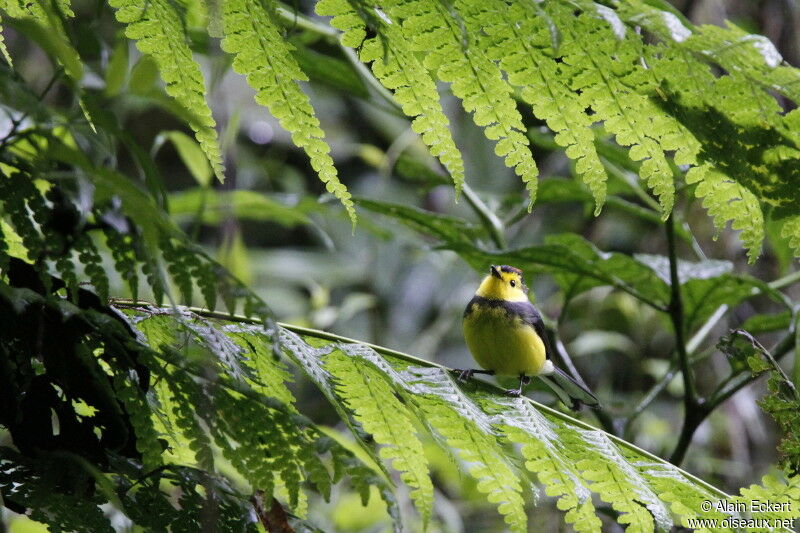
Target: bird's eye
[(513, 283)]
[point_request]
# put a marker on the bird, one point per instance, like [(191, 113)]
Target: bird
[(505, 333)]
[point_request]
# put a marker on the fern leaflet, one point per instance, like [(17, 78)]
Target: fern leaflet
[(366, 392), (435, 30), (158, 30), (263, 55), (398, 69), (468, 429), (544, 455), (598, 64), (518, 37), (726, 200)]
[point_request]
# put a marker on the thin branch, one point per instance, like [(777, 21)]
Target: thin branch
[(651, 395), (691, 405)]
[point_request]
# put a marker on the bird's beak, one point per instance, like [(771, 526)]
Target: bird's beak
[(496, 272)]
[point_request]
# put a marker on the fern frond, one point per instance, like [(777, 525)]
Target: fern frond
[(139, 410), (30, 484), (468, 429), (4, 48), (616, 480), (277, 449), (187, 397), (395, 65), (270, 372), (158, 30), (544, 455), (784, 495), (381, 414), (685, 499), (265, 57), (604, 69), (436, 31), (727, 200), (309, 359), (791, 232), (517, 35)]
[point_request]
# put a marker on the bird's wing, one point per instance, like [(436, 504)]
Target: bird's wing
[(531, 316)]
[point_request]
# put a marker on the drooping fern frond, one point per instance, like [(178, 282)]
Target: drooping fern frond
[(518, 36), (727, 200), (783, 494), (265, 57), (436, 31), (158, 30), (617, 482), (399, 70), (30, 483), (366, 392), (599, 63)]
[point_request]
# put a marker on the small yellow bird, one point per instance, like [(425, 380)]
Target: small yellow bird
[(505, 333)]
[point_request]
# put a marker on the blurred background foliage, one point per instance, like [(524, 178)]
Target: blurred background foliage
[(274, 227)]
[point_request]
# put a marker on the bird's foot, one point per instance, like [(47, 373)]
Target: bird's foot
[(514, 392), (464, 375)]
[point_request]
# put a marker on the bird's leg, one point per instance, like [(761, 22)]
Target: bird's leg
[(466, 374), (523, 380)]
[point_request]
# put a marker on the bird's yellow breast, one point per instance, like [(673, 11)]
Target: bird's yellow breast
[(502, 342)]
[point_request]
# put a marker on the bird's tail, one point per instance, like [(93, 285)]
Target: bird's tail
[(568, 390)]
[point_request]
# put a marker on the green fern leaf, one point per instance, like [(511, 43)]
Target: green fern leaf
[(601, 67), (272, 376), (468, 429), (381, 414), (309, 359), (685, 498), (186, 396), (544, 455), (727, 200), (3, 48), (139, 410), (436, 31), (615, 480), (783, 496), (263, 55), (28, 483), (518, 36), (158, 30), (399, 70), (791, 232)]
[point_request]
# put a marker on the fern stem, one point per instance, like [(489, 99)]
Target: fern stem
[(301, 21), (324, 335), (785, 281), (492, 223)]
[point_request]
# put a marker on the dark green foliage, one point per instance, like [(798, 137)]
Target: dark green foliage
[(782, 401)]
